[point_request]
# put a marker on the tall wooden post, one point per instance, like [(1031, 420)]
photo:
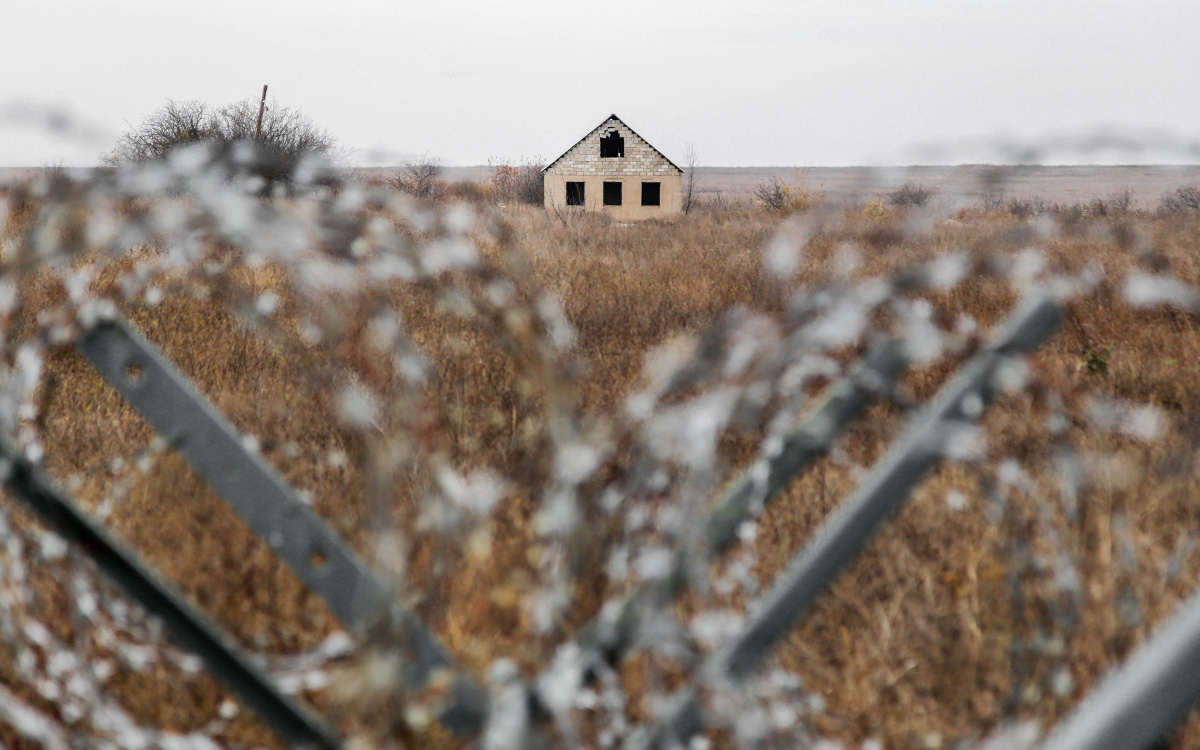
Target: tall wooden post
[(261, 104)]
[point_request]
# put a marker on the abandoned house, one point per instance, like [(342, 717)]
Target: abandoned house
[(614, 170)]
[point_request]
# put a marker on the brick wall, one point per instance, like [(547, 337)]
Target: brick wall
[(640, 159)]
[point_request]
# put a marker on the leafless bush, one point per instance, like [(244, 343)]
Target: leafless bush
[(1028, 207), (287, 136), (419, 177), (1022, 207), (172, 125), (1120, 201), (717, 202), (910, 194), (522, 182), (1025, 208), (1182, 200), (772, 193), (1111, 205), (286, 130), (780, 195)]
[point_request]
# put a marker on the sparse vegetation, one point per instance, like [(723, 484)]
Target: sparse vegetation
[(420, 177), (691, 162), (287, 136), (910, 194), (786, 197), (876, 209), (1183, 200), (1115, 204), (522, 182)]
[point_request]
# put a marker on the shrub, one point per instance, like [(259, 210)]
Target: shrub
[(1114, 203), (1182, 200), (910, 194), (419, 177), (1031, 206), (875, 209), (779, 195), (1028, 207), (1120, 201), (772, 193), (522, 182), (287, 136), (1019, 208), (172, 125)]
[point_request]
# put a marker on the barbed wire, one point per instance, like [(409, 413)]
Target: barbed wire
[(611, 506)]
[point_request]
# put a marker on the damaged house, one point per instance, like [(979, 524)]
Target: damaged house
[(614, 170)]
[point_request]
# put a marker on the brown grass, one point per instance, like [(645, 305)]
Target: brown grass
[(923, 638)]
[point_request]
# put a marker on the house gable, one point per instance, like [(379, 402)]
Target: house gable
[(639, 158)]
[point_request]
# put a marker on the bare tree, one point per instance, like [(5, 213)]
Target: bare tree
[(418, 176), (691, 160)]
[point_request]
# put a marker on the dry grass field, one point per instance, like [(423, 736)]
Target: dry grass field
[(968, 183), (965, 182), (1000, 592)]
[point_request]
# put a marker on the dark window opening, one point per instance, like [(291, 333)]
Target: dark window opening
[(612, 193), (574, 193), (612, 146), (650, 193)]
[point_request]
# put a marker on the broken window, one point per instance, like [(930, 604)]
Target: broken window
[(574, 193), (650, 193), (612, 145), (612, 193)]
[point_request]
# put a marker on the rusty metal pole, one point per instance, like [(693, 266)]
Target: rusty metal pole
[(261, 104)]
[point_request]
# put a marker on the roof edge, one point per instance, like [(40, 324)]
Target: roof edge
[(602, 123)]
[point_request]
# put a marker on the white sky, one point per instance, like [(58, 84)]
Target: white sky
[(776, 82)]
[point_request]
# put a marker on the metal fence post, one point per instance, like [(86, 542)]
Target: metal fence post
[(856, 520), (182, 623), (255, 491)]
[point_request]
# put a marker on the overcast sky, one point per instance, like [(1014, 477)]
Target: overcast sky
[(776, 82)]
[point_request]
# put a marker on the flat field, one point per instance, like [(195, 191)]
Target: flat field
[(968, 183)]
